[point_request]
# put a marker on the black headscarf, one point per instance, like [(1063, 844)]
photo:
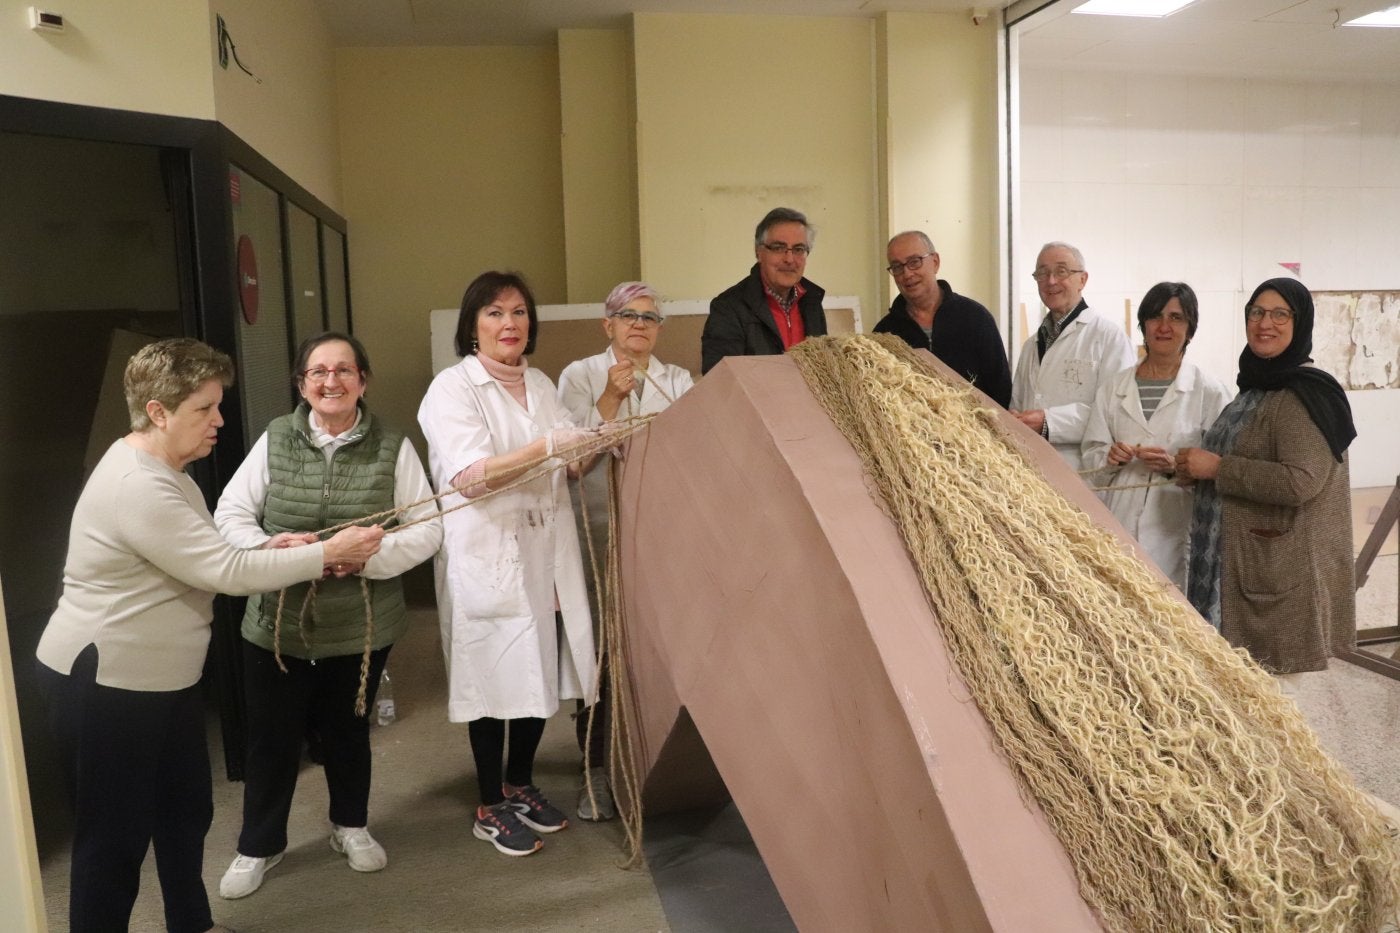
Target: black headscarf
[(1321, 395)]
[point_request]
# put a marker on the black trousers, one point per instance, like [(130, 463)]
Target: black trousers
[(488, 740), (137, 766), (280, 706)]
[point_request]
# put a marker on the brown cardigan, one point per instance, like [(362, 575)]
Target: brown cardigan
[(1286, 587)]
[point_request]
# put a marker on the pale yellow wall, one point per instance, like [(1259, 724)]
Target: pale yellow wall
[(938, 77), (450, 164), (21, 896), (599, 161), (290, 117), (106, 57), (724, 135)]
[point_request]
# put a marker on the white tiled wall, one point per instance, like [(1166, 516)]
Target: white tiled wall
[(1215, 181)]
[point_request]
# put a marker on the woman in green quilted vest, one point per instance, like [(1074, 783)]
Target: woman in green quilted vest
[(329, 461)]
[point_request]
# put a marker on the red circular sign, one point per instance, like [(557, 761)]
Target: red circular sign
[(247, 279)]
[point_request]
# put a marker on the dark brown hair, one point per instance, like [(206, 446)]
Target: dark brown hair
[(309, 345), (483, 290), (1155, 302)]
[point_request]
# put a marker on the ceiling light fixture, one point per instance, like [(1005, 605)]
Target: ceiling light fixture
[(1390, 17), (1153, 8)]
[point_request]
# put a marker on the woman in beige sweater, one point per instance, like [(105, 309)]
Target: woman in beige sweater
[(121, 657)]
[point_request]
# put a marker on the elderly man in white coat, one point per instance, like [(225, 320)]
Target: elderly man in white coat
[(623, 381), (1074, 351), (1142, 416)]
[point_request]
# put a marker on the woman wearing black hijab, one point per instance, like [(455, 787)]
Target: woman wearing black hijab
[(1271, 549)]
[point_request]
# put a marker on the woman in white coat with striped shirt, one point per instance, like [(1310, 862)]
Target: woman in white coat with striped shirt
[(1142, 416)]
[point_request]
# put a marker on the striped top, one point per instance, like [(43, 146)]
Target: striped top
[(1150, 391)]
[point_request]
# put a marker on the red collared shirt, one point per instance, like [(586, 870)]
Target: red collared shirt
[(787, 315)]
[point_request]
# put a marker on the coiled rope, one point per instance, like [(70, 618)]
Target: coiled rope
[(1188, 793)]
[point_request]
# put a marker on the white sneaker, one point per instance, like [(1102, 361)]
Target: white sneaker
[(245, 875), (359, 847)]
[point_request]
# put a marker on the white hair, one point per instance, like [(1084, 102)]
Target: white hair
[(1073, 251)]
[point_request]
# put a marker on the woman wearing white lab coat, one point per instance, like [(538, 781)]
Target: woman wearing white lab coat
[(1142, 416), (623, 381), (516, 631), (626, 379)]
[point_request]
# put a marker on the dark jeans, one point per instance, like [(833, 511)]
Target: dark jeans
[(488, 739), (137, 767), (280, 706)]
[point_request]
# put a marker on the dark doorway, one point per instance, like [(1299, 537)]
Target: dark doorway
[(95, 266), (118, 228)]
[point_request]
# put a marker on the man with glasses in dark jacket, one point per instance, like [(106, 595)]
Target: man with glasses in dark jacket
[(774, 306)]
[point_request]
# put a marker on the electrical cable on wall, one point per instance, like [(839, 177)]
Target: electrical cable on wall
[(227, 45)]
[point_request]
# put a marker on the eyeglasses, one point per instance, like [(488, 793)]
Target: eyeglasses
[(778, 249), (321, 374), (644, 318), (1279, 316), (912, 263), (1059, 273)]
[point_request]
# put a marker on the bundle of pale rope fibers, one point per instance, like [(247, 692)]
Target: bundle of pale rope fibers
[(1188, 793)]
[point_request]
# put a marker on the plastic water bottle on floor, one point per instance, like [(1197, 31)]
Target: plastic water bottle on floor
[(384, 700)]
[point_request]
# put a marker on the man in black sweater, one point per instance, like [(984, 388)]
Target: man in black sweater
[(929, 315)]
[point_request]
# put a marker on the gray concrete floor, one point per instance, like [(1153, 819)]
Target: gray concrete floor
[(1356, 712), (440, 877)]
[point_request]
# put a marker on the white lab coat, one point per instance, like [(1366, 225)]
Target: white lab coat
[(1160, 517), (1087, 354), (504, 559), (581, 384)]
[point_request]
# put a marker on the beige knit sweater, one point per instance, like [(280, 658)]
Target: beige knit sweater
[(144, 562)]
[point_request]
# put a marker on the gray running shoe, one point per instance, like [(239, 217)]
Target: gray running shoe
[(535, 811), (500, 825), (602, 797)]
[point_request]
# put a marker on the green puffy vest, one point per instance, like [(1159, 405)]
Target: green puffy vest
[(307, 493)]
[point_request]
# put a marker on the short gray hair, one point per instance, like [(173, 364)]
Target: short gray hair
[(169, 371), (1073, 251), (928, 244), (783, 215)]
